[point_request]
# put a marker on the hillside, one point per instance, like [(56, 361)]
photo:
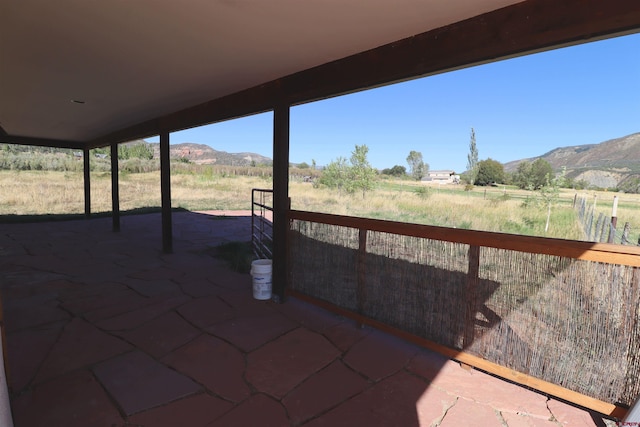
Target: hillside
[(203, 154), (610, 164)]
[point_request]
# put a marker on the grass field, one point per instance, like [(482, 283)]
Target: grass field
[(500, 209)]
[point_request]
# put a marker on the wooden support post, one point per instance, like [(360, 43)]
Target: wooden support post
[(87, 181), (165, 189), (115, 189), (281, 206), (473, 279), (362, 271)]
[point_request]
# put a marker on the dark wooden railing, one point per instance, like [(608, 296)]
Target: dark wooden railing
[(354, 292)]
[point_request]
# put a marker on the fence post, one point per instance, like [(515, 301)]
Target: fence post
[(614, 219), (598, 229), (624, 239), (590, 224), (473, 279), (362, 270)]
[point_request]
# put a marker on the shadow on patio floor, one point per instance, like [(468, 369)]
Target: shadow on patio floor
[(103, 329)]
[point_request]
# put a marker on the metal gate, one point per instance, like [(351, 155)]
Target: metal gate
[(262, 223)]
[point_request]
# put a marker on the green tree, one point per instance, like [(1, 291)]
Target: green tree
[(490, 171), (336, 174), (362, 175), (472, 158), (397, 170), (533, 175), (417, 167), (541, 170), (141, 150), (550, 193)]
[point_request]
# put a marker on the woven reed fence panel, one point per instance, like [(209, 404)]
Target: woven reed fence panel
[(323, 258), (407, 272), (571, 322)]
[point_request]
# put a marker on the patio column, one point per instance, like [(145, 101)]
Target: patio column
[(115, 190), (87, 182), (165, 189), (280, 200)]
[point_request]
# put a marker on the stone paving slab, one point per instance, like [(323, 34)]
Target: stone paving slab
[(279, 366), (483, 415), (250, 332), (128, 336), (31, 347), (206, 311), (79, 345), (161, 335), (137, 382), (391, 402), (319, 393), (73, 400), (213, 363), (258, 410), (379, 355), (194, 411)]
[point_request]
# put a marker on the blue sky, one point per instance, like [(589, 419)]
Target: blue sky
[(519, 108)]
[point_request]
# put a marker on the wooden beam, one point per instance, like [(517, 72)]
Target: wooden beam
[(165, 189), (41, 142), (530, 26), (525, 27), (115, 189), (87, 181), (280, 199), (599, 252)]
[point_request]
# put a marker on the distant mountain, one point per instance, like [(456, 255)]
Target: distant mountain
[(610, 164), (205, 155)]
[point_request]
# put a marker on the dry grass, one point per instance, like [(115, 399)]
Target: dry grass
[(491, 209)]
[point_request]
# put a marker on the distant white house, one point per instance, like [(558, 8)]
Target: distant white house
[(441, 177)]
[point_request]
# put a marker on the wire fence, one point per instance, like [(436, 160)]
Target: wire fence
[(599, 227)]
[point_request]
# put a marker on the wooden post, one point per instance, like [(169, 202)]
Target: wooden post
[(281, 116), (115, 190), (473, 279), (361, 267), (614, 220), (624, 239), (165, 190), (87, 181)]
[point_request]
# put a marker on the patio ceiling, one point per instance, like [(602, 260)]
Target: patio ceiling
[(80, 74)]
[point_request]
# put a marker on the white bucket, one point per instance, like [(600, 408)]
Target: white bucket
[(261, 272)]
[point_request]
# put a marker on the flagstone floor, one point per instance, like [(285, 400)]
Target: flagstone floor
[(103, 329)]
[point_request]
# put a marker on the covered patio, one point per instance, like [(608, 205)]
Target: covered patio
[(103, 329), (129, 320)]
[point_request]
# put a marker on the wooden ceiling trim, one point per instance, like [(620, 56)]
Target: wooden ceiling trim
[(40, 142), (530, 26)]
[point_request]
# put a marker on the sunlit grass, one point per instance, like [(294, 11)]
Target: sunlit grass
[(499, 209)]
